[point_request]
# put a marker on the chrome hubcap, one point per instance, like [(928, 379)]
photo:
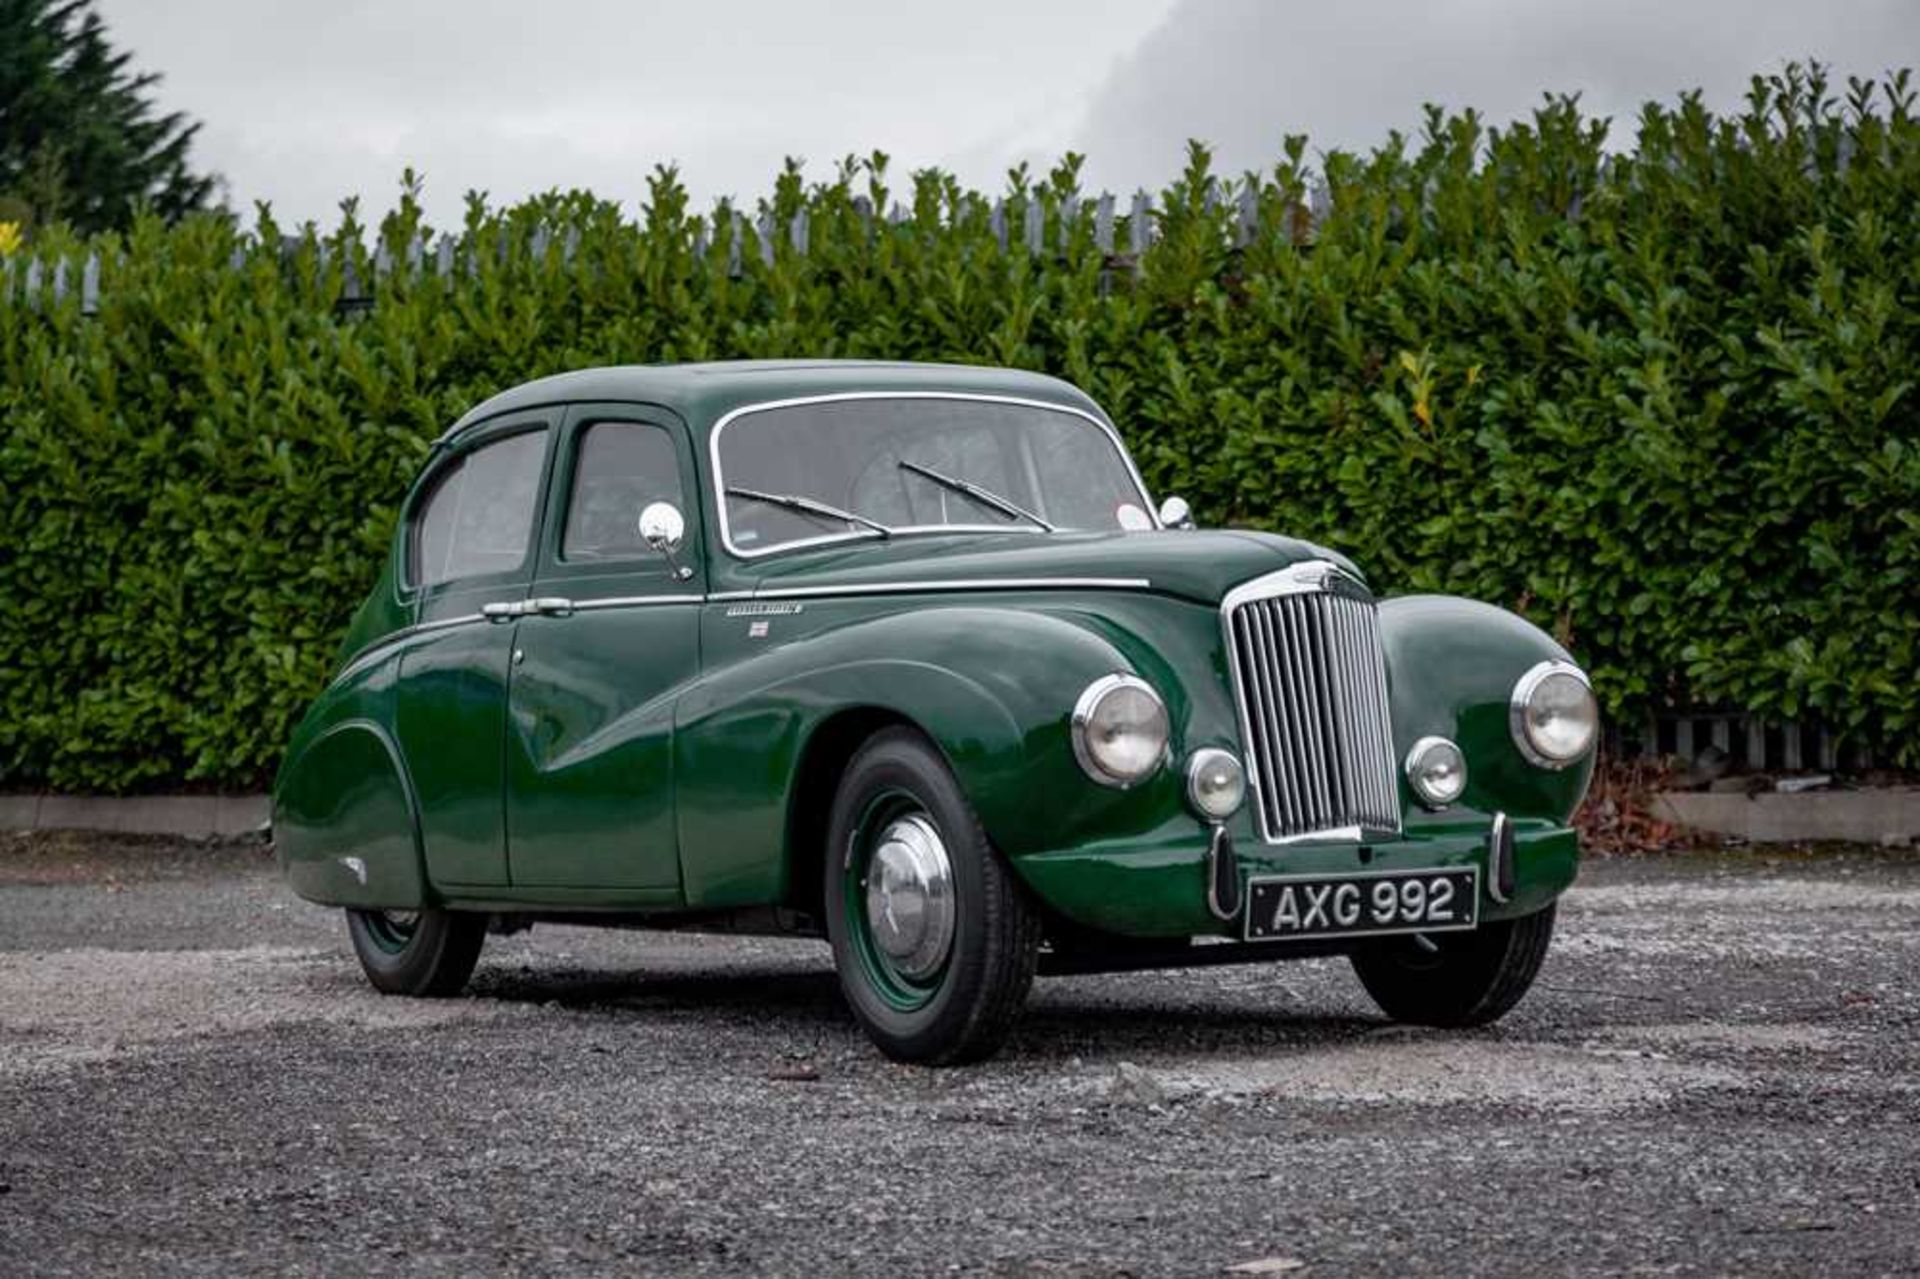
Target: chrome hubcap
[(910, 897)]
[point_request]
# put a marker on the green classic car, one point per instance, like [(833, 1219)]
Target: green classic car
[(904, 655)]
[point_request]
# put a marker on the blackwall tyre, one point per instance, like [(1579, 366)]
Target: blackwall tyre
[(934, 938), (1466, 979), (428, 953)]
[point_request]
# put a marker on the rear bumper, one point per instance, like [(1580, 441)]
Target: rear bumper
[(1158, 887)]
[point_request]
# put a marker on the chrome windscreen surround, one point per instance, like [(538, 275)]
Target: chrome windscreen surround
[(1310, 686)]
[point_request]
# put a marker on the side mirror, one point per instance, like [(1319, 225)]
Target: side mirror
[(1175, 513), (663, 528)]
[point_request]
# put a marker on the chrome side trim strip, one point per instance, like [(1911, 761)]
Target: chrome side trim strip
[(440, 624), (946, 587), (728, 418), (394, 639), (385, 642), (635, 601)]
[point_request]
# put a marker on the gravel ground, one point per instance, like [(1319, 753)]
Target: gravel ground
[(1718, 1073)]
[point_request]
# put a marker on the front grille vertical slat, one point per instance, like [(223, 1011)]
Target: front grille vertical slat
[(1285, 784), (1300, 713), (1311, 683), (1369, 761), (1389, 776), (1352, 755)]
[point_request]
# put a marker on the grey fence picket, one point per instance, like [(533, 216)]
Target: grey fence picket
[(1140, 226), (736, 243), (1036, 227), (765, 230), (90, 285), (443, 256), (997, 222), (1247, 225), (1103, 224), (1069, 219), (797, 231), (59, 281)]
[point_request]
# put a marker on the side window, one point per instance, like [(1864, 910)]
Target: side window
[(478, 516), (618, 469)]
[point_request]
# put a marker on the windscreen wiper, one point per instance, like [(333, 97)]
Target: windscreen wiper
[(808, 506), (986, 497)]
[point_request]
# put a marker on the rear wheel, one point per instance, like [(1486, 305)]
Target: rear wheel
[(1456, 979), (417, 952), (934, 939)]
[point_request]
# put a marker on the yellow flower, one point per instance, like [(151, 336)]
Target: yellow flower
[(11, 238)]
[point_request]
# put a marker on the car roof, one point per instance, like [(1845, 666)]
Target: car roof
[(703, 393)]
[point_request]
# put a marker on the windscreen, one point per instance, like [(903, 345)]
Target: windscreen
[(921, 465)]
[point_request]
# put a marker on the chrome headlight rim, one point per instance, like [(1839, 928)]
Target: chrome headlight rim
[(1523, 690), (1083, 713), (1197, 765), (1411, 766)]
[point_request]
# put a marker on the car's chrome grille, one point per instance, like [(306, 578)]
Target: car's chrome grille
[(1311, 683)]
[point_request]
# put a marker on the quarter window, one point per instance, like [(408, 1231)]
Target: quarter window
[(619, 468), (478, 516)]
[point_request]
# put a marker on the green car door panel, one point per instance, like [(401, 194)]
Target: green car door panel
[(589, 754), (609, 637), (539, 706)]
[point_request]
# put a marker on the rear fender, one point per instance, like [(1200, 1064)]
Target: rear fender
[(346, 822)]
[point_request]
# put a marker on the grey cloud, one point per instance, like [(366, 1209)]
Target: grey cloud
[(1242, 74)]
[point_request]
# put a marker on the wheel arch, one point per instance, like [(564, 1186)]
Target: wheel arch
[(824, 757), (346, 820)]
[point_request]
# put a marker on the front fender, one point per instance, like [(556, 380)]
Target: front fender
[(992, 686), (1451, 667)]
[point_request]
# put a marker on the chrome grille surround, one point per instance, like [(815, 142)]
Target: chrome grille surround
[(1310, 685)]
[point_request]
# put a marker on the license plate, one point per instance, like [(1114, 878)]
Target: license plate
[(1285, 907)]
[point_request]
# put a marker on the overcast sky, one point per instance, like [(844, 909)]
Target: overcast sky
[(306, 101)]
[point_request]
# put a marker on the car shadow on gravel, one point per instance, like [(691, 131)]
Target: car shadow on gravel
[(781, 1000)]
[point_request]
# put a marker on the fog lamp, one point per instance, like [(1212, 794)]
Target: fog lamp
[(1216, 784)]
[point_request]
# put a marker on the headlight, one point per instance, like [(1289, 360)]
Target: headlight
[(1216, 784), (1437, 771), (1119, 730), (1553, 715)]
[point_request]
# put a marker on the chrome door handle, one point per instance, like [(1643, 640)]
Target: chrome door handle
[(546, 606)]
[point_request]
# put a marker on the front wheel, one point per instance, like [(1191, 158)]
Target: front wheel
[(1456, 979), (934, 939), (417, 952)]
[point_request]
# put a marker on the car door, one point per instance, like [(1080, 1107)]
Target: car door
[(610, 636), (470, 543)]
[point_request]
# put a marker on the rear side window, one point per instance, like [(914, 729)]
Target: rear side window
[(618, 470), (478, 516)]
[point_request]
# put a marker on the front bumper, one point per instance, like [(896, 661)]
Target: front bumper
[(1157, 886)]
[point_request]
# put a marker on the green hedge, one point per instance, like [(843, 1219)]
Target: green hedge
[(1660, 401)]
